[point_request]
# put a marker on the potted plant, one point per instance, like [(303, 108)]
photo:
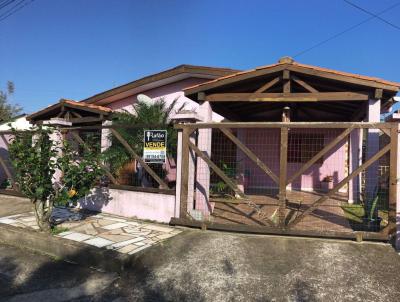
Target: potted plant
[(371, 220), (327, 183)]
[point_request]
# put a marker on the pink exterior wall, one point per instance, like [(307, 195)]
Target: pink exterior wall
[(265, 143), (142, 205)]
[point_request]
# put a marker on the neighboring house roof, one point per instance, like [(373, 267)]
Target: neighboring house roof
[(162, 78), (55, 108), (290, 64), (18, 122)]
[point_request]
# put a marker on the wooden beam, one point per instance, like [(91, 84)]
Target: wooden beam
[(322, 199), (286, 74), (250, 154), (86, 119), (304, 84), (139, 159), (341, 78), (277, 125), (378, 93), (268, 85), (104, 167), (319, 155), (229, 182), (283, 175), (287, 97), (183, 212)]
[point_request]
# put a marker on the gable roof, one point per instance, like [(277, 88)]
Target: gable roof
[(71, 104), (289, 64), (176, 73)]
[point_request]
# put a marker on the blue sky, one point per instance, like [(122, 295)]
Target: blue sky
[(76, 48)]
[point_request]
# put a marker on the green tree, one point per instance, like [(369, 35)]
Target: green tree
[(7, 110), (35, 158), (145, 116)]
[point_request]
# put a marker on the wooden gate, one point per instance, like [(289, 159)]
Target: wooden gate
[(294, 178)]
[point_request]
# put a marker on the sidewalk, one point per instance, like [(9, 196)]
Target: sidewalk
[(127, 236)]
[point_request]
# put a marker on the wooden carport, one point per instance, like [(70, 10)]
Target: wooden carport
[(287, 96)]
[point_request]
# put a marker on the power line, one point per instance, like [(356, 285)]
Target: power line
[(5, 3), (345, 31), (372, 14), (12, 8), (15, 9)]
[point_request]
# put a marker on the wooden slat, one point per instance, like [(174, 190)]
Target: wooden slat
[(321, 153), (287, 97), (104, 167), (229, 182), (304, 84), (250, 154), (268, 85), (277, 125), (139, 159), (340, 185), (283, 175)]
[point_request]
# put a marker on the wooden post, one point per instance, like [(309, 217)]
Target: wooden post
[(283, 176), (184, 172), (393, 179)]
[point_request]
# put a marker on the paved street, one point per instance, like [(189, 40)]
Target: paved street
[(213, 266)]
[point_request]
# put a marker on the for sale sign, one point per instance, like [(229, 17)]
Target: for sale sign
[(155, 146)]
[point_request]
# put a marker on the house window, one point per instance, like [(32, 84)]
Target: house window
[(303, 146)]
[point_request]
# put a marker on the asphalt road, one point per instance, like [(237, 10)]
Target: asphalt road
[(213, 266)]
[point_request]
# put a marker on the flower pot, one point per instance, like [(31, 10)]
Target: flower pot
[(326, 186), (372, 225)]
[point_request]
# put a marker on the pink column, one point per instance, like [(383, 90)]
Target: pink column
[(374, 111), (203, 171)]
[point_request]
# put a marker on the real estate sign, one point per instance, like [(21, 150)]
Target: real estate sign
[(155, 146)]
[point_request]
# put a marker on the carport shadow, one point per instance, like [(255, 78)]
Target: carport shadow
[(137, 282)]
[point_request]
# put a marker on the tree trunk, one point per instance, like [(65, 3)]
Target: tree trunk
[(43, 210)]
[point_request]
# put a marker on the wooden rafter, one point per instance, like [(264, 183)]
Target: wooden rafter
[(323, 198), (268, 85), (304, 84), (287, 97)]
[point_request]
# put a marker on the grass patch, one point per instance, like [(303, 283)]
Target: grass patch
[(354, 213), (57, 230)]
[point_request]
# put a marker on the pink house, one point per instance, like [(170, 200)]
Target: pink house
[(325, 108)]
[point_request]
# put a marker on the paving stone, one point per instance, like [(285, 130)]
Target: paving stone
[(165, 236), (27, 219), (139, 249), (104, 222), (134, 223), (158, 228), (115, 219), (115, 226), (7, 220), (115, 238), (125, 243), (64, 233), (86, 228), (99, 242), (77, 236), (128, 248)]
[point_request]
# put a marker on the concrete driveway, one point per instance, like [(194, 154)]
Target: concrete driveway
[(210, 266)]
